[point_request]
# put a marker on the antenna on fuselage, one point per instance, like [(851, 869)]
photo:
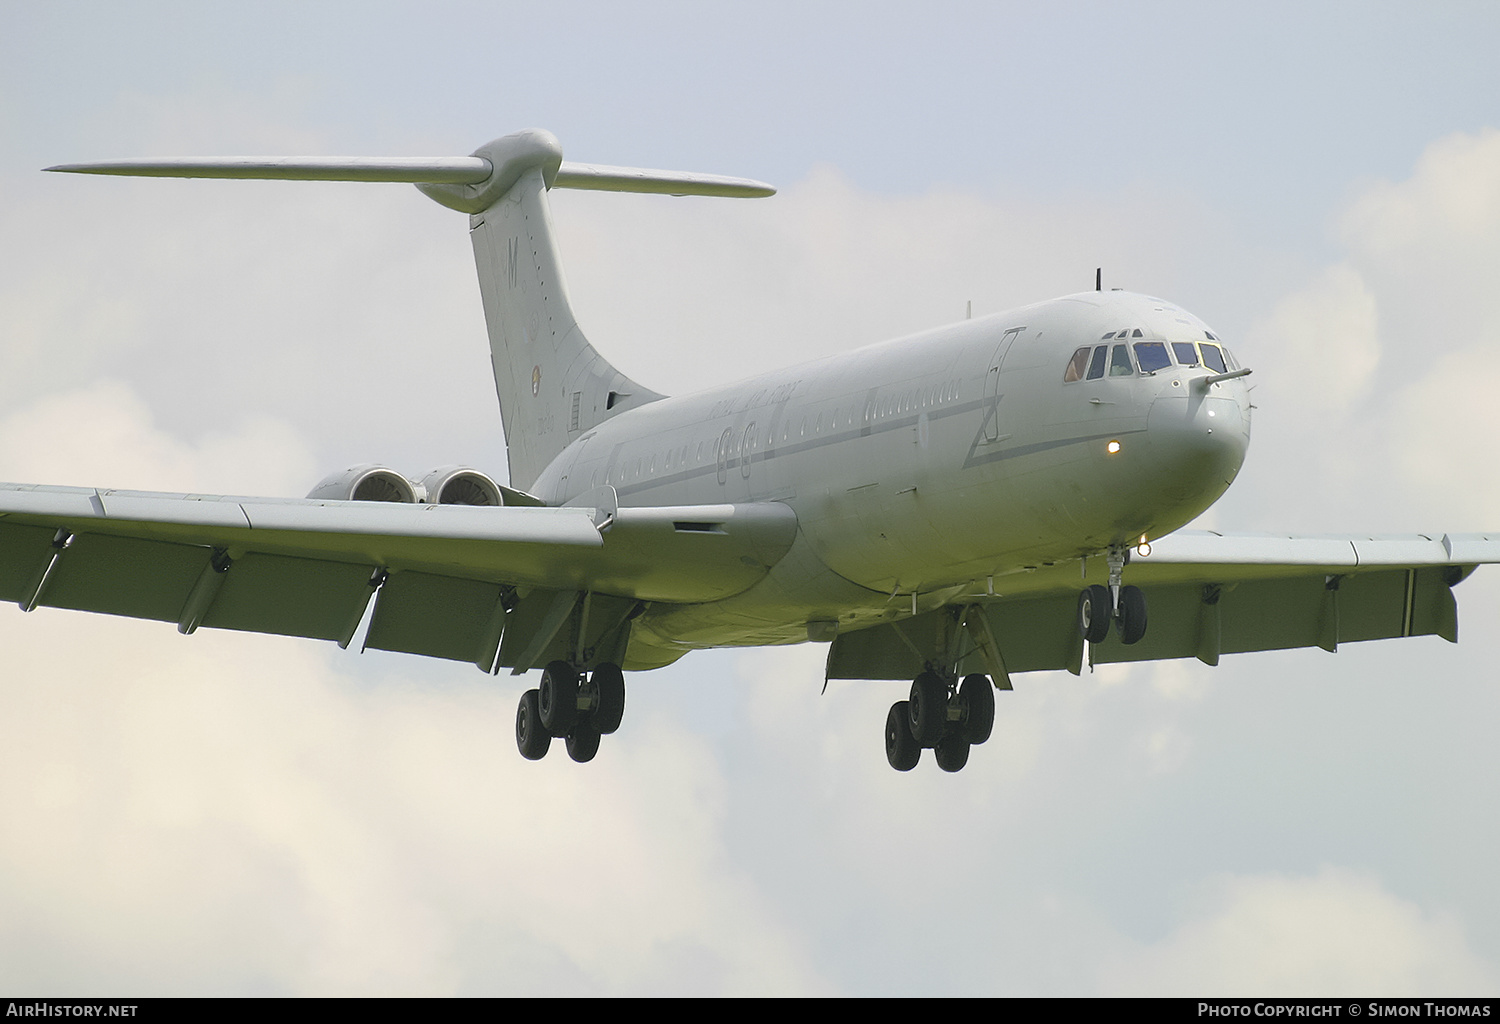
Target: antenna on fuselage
[(1098, 279)]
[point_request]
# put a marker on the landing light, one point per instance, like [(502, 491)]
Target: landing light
[(1144, 547), (1113, 447)]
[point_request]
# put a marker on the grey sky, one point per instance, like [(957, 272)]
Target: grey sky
[(249, 814)]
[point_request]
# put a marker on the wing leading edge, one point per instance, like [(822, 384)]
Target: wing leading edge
[(1210, 594), (495, 586)]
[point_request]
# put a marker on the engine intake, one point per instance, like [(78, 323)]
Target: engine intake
[(460, 485), (366, 483)]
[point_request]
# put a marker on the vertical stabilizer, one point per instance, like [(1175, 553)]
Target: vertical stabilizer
[(553, 386)]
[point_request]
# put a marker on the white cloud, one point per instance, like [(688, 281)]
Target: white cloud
[(1320, 346), (102, 435), (1337, 933), (1370, 376)]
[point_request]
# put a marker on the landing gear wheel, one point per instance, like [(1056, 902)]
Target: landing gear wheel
[(928, 712), (952, 752), (583, 742), (1094, 613), (901, 748), (1132, 614), (531, 735), (978, 698), (558, 698), (609, 681)]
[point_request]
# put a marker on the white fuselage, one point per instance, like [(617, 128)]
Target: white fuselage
[(924, 468)]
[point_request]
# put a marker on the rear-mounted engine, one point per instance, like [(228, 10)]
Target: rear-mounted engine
[(447, 485), (460, 485)]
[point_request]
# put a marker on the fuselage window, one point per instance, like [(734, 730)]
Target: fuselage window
[(1076, 366), (1096, 366), (1213, 358), (1152, 355), (1187, 353), (1119, 362)]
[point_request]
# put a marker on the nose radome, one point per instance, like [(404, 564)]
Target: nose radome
[(1199, 440)]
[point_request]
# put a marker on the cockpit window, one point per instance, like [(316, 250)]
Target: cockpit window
[(1119, 362), (1152, 355), (1187, 353), (1076, 365), (1096, 367), (1213, 358)]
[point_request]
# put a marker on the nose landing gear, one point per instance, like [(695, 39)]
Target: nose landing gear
[(569, 706), (1124, 606)]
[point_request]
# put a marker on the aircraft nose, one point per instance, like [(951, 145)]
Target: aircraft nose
[(1199, 439)]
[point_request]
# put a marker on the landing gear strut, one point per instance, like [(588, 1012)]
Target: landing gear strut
[(942, 716), (569, 706), (1124, 606)]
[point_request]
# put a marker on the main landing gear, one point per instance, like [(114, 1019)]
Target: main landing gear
[(1100, 607), (571, 707), (946, 717)]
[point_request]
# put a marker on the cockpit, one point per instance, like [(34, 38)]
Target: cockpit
[(1120, 354)]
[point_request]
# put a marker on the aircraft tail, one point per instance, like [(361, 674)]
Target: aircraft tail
[(552, 384)]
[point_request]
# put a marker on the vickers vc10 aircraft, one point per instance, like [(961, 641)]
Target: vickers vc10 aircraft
[(948, 509)]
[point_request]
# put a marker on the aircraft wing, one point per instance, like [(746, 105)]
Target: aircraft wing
[(446, 579), (1208, 594)]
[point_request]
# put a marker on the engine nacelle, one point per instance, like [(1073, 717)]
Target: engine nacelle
[(366, 483), (460, 485)]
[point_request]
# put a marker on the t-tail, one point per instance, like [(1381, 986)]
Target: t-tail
[(552, 384)]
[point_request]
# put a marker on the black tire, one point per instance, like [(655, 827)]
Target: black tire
[(928, 709), (558, 698), (583, 742), (532, 736), (901, 748), (978, 696), (1095, 611), (609, 682), (1132, 614), (952, 753)]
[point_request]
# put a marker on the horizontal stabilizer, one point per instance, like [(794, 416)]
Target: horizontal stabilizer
[(675, 183), (447, 170), (434, 170)]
